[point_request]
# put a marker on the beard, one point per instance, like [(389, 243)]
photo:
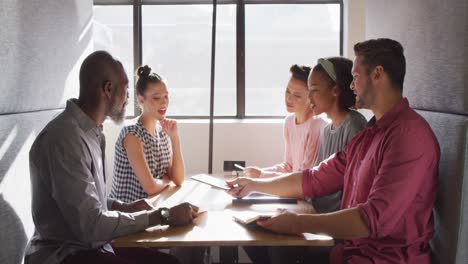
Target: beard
[(364, 100), (117, 111), (360, 103)]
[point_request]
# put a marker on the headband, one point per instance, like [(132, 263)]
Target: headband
[(328, 67)]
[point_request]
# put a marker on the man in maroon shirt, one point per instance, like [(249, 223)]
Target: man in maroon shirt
[(388, 173)]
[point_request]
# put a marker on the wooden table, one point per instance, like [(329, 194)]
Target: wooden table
[(215, 226)]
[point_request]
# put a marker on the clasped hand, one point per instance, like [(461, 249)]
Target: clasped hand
[(179, 215)]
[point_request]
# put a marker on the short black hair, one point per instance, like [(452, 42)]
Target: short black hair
[(95, 70), (387, 53)]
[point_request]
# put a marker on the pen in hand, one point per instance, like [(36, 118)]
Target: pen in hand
[(239, 167)]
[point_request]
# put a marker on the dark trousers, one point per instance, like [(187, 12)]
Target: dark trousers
[(121, 256)]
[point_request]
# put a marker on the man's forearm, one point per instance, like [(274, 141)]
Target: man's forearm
[(117, 205), (154, 218), (343, 224), (288, 185)]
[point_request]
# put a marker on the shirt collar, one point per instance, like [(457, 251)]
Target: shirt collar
[(84, 121), (391, 115)]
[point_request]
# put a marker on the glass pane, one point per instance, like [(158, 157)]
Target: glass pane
[(278, 36), (177, 45), (113, 32)]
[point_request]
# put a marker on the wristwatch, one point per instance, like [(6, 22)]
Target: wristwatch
[(165, 215)]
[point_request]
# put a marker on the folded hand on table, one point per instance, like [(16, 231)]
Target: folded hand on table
[(183, 214), (179, 215), (285, 223)]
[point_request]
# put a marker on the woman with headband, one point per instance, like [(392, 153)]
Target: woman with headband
[(330, 93)]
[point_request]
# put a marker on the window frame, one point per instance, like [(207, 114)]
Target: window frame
[(240, 42)]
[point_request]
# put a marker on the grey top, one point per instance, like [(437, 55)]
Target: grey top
[(69, 204), (332, 141)]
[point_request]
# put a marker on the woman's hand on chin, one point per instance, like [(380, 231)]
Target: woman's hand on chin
[(169, 126)]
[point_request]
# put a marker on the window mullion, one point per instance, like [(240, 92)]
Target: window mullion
[(137, 47), (341, 26), (240, 55)]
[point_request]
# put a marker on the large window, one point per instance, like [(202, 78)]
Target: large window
[(278, 36), (177, 44), (113, 31), (256, 43)]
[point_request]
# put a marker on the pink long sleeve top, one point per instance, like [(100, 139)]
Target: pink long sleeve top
[(302, 143)]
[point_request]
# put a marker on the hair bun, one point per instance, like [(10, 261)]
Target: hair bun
[(144, 71), (294, 67), (300, 72)]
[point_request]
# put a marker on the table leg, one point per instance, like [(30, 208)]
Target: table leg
[(228, 255)]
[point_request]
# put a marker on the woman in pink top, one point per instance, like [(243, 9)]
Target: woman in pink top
[(301, 129)]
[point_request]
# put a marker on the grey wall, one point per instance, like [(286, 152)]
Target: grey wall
[(434, 34), (42, 45)]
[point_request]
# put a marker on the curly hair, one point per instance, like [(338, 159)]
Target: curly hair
[(342, 67)]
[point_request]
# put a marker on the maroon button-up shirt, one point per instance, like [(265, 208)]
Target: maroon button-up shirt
[(389, 172)]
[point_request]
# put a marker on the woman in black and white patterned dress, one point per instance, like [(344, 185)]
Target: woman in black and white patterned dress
[(147, 153)]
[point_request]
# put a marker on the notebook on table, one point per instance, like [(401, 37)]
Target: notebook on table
[(250, 218), (210, 180)]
